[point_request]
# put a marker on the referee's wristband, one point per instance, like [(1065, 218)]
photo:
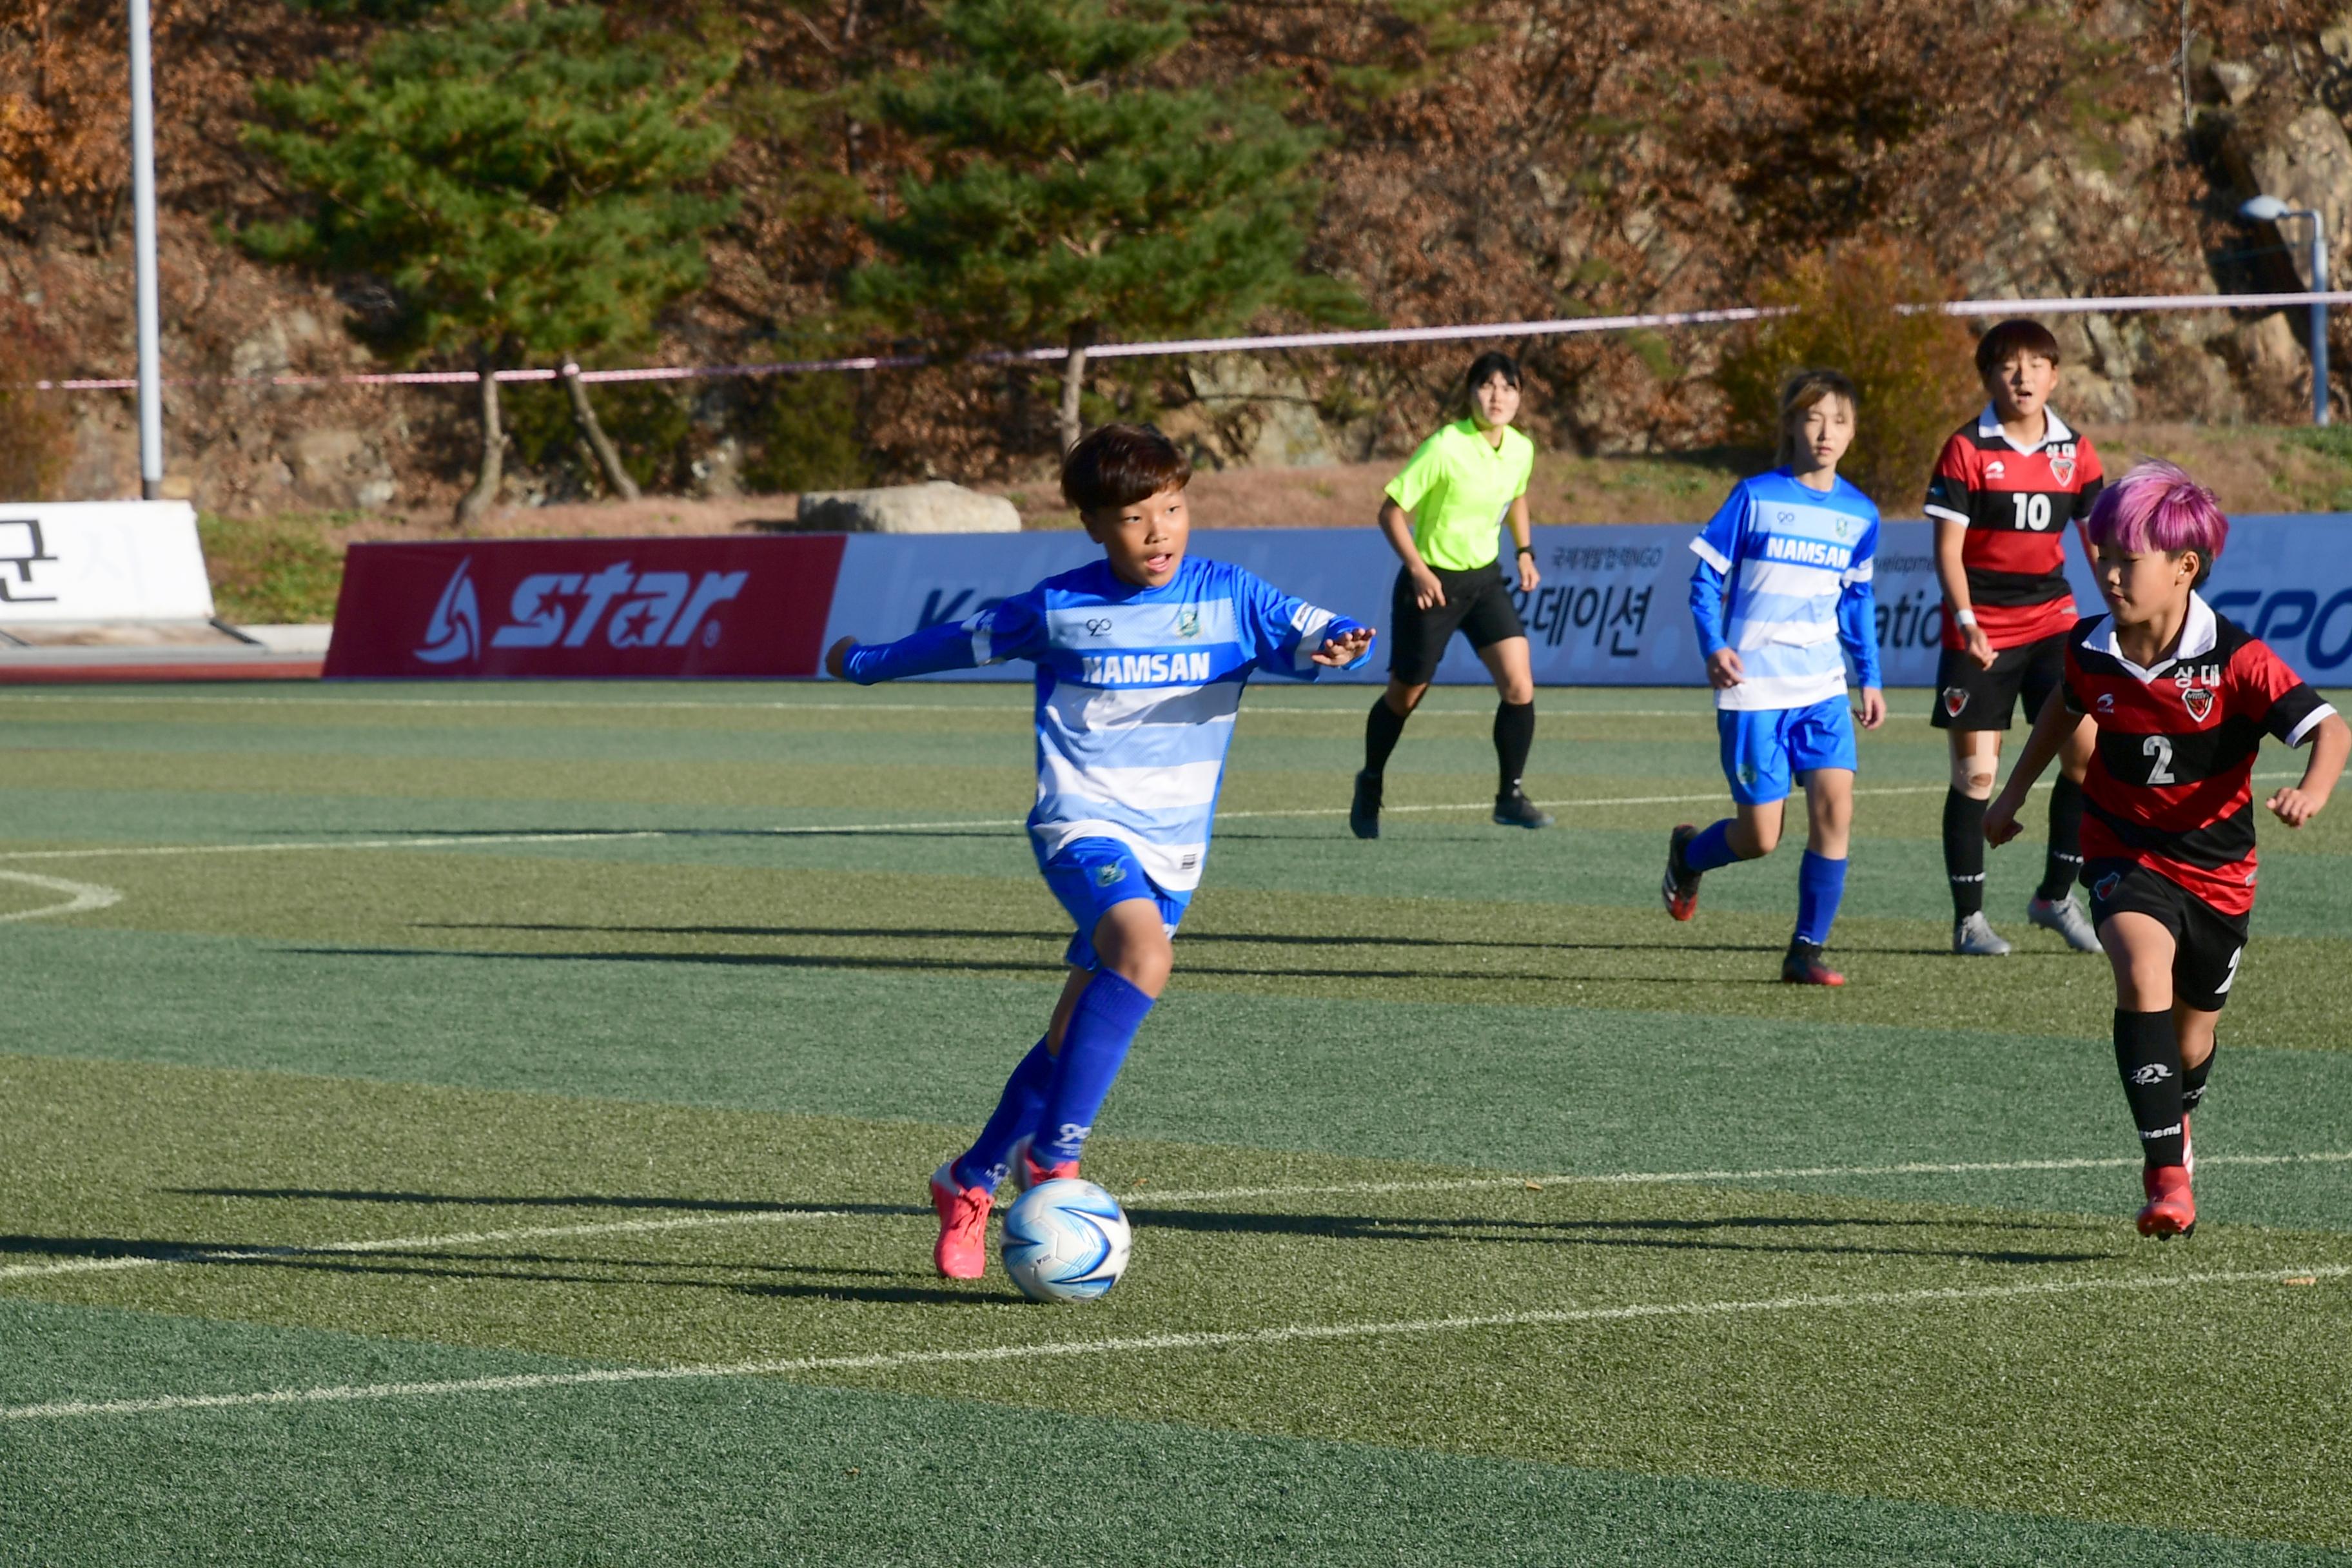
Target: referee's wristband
[(1964, 617)]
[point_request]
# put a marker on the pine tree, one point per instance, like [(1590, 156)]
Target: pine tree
[(1071, 199), (523, 181)]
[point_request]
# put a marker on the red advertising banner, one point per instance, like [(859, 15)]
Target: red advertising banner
[(625, 608)]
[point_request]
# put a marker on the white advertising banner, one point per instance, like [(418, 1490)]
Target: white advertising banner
[(101, 561), (1613, 608)]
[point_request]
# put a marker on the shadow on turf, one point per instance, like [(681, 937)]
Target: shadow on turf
[(1191, 939), (1677, 1234), (525, 1267), (551, 1200)]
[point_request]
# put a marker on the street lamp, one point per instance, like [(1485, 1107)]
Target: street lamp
[(143, 244), (2270, 209)]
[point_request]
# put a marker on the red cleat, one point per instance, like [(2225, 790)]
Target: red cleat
[(1680, 888), (2171, 1210), (1027, 1173), (1803, 966), (962, 1252)]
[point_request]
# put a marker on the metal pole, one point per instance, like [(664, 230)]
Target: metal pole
[(142, 207), (2318, 321)]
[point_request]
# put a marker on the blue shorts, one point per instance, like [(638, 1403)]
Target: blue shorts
[(1764, 749), (1090, 875)]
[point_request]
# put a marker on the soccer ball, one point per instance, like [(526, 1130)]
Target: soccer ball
[(1066, 1241)]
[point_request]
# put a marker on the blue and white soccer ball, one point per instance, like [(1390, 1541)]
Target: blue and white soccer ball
[(1066, 1241)]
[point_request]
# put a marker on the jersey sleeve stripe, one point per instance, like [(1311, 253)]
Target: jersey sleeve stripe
[(1710, 554), (2302, 731), (1947, 514)]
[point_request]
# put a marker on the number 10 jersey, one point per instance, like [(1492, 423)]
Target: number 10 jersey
[(2015, 502)]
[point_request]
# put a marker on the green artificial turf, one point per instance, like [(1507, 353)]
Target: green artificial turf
[(641, 1060)]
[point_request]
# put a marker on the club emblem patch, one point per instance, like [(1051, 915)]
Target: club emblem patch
[(1955, 698), (1110, 875), (2199, 700), (2105, 887), (2062, 470)]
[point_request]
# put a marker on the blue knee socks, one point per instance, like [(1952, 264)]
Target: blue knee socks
[(988, 1161), (1821, 884), (1101, 1028), (1711, 848)]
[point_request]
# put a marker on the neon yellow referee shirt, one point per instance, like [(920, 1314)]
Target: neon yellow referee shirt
[(1459, 490)]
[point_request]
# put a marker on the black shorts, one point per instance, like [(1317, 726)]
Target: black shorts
[(1477, 605), (1971, 697), (2207, 943)]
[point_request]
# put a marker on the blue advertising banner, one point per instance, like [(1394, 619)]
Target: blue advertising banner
[(1613, 608)]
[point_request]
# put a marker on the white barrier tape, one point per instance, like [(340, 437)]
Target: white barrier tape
[(1561, 327)]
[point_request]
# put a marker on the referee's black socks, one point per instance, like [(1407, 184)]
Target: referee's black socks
[(1964, 851), (1515, 737), (1382, 726), (2147, 1054)]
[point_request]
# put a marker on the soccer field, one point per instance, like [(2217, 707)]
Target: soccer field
[(490, 1123)]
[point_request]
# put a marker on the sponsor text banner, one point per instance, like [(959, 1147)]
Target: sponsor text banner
[(585, 608)]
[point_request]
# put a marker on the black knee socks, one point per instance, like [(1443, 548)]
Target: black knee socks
[(2063, 861), (2147, 1054), (1964, 851), (1515, 736), (1381, 728), (2192, 1080)]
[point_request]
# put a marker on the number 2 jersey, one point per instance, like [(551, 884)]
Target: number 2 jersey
[(2015, 503), (2171, 785), (1137, 691)]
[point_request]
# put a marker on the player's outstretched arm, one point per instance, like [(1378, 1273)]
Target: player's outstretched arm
[(2331, 743), (1346, 648), (2050, 732)]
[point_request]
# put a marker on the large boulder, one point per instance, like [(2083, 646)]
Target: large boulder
[(938, 507)]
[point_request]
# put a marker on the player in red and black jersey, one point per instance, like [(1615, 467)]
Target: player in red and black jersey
[(2006, 488), (2180, 699)]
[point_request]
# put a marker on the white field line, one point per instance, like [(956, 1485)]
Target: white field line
[(1136, 1198), (407, 1243), (1147, 1343), (79, 896)]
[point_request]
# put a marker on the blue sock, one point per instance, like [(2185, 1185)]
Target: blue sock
[(1711, 848), (988, 1161), (1101, 1028), (1820, 883)]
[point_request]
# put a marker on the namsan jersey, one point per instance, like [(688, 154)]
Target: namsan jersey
[(1459, 490), (2170, 785), (1137, 691), (2015, 502), (1784, 578)]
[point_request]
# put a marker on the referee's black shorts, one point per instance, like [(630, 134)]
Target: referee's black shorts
[(1971, 697), (1477, 605)]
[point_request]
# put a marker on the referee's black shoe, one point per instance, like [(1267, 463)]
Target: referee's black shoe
[(1513, 809), (1364, 810)]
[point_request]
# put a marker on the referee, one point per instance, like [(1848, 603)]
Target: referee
[(1443, 517)]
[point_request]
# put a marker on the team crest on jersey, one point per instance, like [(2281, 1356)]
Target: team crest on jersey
[(2199, 700), (1955, 698), (2062, 470), (1188, 623)]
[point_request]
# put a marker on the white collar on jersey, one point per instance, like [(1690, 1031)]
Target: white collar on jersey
[(2053, 429), (2197, 636)]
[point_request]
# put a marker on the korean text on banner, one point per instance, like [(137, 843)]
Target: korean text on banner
[(101, 561), (585, 608)]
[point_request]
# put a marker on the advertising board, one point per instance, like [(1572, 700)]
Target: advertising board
[(101, 561)]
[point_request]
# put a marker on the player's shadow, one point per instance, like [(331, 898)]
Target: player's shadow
[(915, 964), (493, 1268), (546, 1200), (1677, 1235)]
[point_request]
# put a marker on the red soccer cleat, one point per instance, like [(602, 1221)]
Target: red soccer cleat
[(1027, 1173), (962, 1252), (2171, 1209), (1803, 966), (1680, 888)]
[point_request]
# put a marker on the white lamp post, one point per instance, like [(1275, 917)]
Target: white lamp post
[(2270, 209), (142, 242)]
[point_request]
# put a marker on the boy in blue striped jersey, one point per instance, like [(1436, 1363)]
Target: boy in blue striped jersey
[(1141, 661), (1783, 580)]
